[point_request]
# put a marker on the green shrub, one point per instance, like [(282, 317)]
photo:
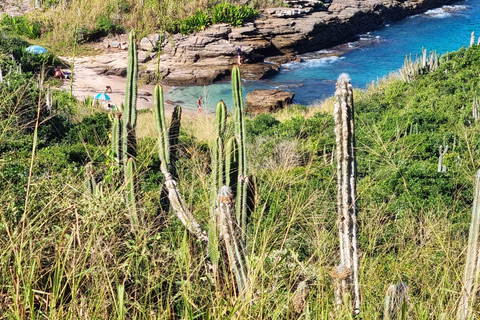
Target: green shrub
[(232, 14), (21, 26), (196, 22), (105, 25)]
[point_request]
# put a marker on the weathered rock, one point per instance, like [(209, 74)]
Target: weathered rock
[(146, 45), (263, 101)]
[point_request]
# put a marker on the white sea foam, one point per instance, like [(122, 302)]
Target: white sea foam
[(312, 63), (446, 11)]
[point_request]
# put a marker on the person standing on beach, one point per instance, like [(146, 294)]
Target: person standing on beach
[(199, 105), (239, 55)]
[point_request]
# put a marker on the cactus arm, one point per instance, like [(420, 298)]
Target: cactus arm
[(240, 135), (130, 188), (129, 108), (116, 137), (231, 165), (163, 142)]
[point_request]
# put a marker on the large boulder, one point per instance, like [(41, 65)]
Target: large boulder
[(263, 101)]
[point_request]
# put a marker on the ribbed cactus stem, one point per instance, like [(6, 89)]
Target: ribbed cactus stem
[(218, 149), (231, 163), (129, 108), (116, 137), (442, 152), (90, 183), (240, 135), (396, 300), (231, 236), (173, 134), (161, 123), (472, 264), (220, 118), (347, 191), (130, 188)]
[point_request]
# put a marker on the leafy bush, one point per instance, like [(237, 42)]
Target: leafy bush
[(21, 26), (106, 26), (221, 13), (232, 14), (196, 22)]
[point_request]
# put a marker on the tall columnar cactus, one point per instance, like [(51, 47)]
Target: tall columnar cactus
[(129, 107), (348, 286), (217, 156), (174, 196), (129, 140), (240, 135), (173, 134), (441, 154), (472, 264), (116, 137)]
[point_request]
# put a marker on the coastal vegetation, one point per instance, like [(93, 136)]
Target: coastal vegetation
[(72, 251), (99, 18)]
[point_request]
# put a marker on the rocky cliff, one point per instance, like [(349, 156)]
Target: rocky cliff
[(279, 34)]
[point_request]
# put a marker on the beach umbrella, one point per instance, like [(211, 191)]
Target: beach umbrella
[(36, 49), (102, 96)]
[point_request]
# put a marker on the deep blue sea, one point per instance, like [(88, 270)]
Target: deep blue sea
[(373, 56)]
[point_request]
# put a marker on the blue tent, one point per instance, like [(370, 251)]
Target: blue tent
[(102, 96), (36, 49)]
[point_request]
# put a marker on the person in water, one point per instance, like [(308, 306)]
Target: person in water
[(199, 105)]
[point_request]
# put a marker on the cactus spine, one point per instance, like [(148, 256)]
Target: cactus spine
[(472, 264), (347, 194), (240, 135)]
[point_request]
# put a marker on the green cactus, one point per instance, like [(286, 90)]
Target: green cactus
[(90, 183), (173, 134), (161, 123), (116, 137), (240, 135), (129, 141), (217, 157), (231, 163), (130, 188), (129, 108), (347, 194)]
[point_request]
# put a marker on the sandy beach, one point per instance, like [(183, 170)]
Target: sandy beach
[(88, 83)]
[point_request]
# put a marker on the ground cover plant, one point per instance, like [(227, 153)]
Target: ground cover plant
[(68, 250)]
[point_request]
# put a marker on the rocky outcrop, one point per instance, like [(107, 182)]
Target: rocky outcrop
[(265, 101), (277, 36)]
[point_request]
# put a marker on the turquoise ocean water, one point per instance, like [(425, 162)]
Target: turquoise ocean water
[(373, 56)]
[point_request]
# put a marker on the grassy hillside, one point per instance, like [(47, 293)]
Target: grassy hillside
[(66, 254), (61, 23)]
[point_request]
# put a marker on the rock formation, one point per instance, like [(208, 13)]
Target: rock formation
[(265, 101), (279, 34)]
